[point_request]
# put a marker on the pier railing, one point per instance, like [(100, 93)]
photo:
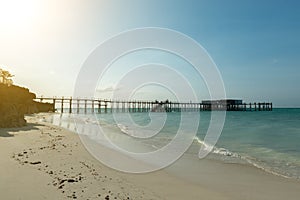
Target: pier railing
[(80, 105)]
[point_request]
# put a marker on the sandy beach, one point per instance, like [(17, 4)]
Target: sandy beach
[(42, 161)]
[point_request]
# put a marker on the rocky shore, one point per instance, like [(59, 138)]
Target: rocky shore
[(17, 101)]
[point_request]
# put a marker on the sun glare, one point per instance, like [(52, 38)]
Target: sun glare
[(16, 14)]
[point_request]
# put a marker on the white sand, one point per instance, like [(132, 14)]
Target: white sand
[(42, 161)]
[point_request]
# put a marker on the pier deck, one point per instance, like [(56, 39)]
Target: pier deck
[(80, 105)]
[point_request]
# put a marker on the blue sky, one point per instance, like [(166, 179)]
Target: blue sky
[(255, 44)]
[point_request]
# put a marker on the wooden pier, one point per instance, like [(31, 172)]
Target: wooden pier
[(82, 105)]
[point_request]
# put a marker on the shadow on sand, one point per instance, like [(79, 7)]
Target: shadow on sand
[(7, 132)]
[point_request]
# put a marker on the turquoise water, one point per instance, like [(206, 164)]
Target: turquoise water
[(267, 140), (270, 140)]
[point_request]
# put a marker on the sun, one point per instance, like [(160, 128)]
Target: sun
[(16, 14)]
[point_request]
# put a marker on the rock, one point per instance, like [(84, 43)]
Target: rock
[(15, 102)]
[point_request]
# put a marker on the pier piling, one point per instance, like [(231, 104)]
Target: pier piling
[(153, 106)]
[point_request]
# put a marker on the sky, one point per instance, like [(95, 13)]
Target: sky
[(254, 44)]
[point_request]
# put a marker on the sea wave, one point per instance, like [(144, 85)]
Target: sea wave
[(79, 124), (226, 155)]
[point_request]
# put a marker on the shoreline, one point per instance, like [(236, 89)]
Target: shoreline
[(218, 153), (62, 169)]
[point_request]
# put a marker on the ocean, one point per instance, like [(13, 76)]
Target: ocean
[(269, 140)]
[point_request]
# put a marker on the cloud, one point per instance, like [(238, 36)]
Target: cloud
[(108, 89)]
